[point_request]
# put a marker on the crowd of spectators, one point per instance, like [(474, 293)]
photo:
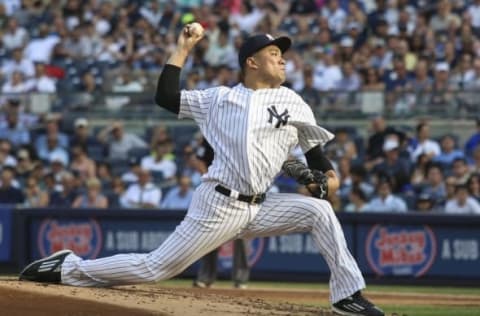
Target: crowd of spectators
[(394, 169), (412, 54), (422, 55), (44, 164)]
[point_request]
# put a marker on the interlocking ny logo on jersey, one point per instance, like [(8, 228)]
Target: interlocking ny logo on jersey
[(282, 119)]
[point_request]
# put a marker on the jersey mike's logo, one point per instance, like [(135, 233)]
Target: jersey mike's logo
[(401, 250), (84, 237), (281, 119), (254, 250)]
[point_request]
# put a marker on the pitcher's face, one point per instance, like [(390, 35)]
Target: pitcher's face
[(270, 65)]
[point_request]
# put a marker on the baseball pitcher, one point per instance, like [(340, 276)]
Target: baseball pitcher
[(252, 128)]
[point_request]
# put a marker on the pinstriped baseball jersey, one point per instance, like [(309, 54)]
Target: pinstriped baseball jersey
[(251, 132)]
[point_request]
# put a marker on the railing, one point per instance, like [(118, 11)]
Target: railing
[(326, 105)]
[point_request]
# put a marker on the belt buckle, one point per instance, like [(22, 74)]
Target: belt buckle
[(256, 199)]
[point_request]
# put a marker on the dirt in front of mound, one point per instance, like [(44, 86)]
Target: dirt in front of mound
[(26, 298)]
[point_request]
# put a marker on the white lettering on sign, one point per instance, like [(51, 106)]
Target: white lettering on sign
[(127, 240), (446, 250), (152, 239), (294, 243), (109, 241), (465, 249), (272, 244), (291, 243)]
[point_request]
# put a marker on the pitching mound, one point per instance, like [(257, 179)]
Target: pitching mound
[(26, 298)]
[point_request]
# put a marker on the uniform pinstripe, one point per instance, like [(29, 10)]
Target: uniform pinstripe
[(250, 146)]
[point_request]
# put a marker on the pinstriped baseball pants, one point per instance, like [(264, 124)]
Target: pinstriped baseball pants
[(213, 219)]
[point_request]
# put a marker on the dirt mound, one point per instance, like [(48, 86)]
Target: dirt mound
[(27, 298)]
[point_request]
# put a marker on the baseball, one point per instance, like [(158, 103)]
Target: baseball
[(196, 29)]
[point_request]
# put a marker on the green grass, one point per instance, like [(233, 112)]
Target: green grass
[(395, 310), (323, 286), (431, 310)]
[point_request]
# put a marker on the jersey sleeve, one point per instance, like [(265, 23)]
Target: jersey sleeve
[(309, 133), (194, 104)]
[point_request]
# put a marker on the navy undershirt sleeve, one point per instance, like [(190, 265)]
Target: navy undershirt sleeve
[(317, 160), (168, 89)]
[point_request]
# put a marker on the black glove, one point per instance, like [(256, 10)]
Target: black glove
[(306, 176), (298, 170), (320, 190)]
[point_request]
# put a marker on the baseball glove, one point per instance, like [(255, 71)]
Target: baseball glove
[(306, 176), (320, 190)]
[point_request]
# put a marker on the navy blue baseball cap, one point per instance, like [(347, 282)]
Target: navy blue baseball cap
[(256, 42)]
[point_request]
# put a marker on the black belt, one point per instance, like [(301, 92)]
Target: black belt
[(252, 199)]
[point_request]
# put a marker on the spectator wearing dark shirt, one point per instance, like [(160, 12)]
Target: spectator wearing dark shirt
[(81, 136), (13, 130), (473, 141), (398, 78), (376, 140), (65, 194), (8, 193), (435, 186), (393, 166), (303, 7)]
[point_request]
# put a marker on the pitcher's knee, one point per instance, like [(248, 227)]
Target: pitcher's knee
[(321, 209)]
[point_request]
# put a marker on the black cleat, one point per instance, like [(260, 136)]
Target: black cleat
[(47, 270), (356, 305)]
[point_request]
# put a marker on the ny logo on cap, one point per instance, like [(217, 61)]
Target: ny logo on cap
[(270, 37), (282, 119)]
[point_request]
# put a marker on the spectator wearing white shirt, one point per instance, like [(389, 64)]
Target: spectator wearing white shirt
[(127, 84), (221, 51), (118, 141), (40, 49), (473, 12), (76, 45), (462, 202), (52, 130), (463, 74), (444, 19), (152, 13), (385, 201), (160, 161), (103, 16), (18, 63), (53, 149), (11, 6), (357, 201), (41, 82), (180, 196), (424, 144), (15, 36), (327, 76), (248, 17), (336, 16), (143, 194), (16, 84)]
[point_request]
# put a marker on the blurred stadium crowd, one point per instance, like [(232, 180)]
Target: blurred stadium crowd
[(411, 56)]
